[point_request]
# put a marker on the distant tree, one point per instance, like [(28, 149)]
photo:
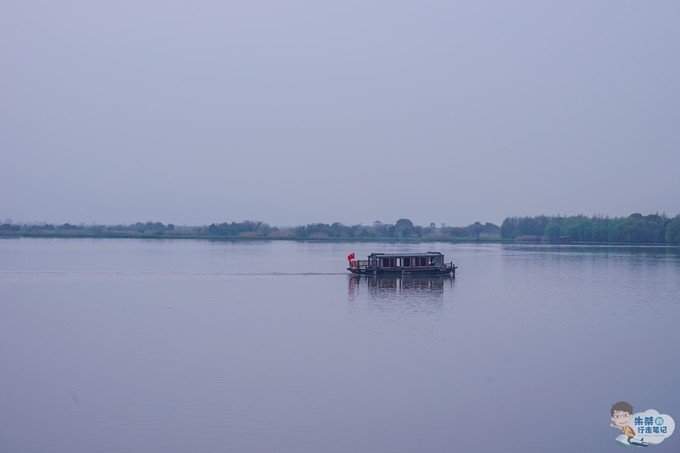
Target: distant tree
[(673, 230), (404, 228), (552, 231), (508, 228), (491, 229), (338, 230), (476, 229)]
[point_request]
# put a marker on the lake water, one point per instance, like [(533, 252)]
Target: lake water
[(197, 346)]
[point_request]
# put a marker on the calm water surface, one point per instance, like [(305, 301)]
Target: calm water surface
[(191, 346)]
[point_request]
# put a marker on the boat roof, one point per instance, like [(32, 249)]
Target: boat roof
[(397, 255)]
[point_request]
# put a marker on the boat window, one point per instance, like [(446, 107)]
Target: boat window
[(407, 262), (389, 262)]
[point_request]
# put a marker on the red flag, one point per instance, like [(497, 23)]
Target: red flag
[(350, 257)]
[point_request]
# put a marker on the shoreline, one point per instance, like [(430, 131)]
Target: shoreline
[(329, 240)]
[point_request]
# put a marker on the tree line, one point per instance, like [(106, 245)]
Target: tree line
[(634, 229), (402, 229)]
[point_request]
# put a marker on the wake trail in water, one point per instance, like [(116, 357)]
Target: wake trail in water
[(152, 273)]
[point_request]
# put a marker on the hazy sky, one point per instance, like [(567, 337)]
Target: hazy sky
[(299, 111)]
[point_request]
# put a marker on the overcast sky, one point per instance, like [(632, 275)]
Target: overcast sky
[(293, 111)]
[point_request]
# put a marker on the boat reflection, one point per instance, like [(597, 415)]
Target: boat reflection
[(406, 290)]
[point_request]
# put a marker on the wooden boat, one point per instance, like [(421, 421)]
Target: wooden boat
[(430, 263)]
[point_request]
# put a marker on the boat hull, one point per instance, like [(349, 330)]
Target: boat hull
[(448, 270)]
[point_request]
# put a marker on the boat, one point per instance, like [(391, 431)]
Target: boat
[(640, 443), (430, 263)]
